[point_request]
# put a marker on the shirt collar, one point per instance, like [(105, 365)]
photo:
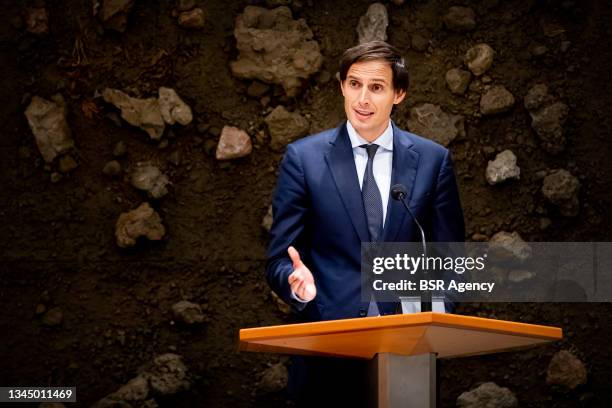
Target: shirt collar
[(385, 140)]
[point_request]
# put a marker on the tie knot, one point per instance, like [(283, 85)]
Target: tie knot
[(371, 149)]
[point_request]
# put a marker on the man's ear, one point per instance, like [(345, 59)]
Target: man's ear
[(341, 86), (399, 97)]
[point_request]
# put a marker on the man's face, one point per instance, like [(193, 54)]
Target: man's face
[(369, 97)]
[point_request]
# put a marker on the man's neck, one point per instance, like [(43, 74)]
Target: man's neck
[(371, 136)]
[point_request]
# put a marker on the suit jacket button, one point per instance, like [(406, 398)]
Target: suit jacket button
[(362, 312)]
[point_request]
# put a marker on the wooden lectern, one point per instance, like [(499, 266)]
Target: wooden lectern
[(403, 348)]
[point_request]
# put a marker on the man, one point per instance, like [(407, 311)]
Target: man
[(333, 193)]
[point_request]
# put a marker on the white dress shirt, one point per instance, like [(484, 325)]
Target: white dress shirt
[(383, 160)]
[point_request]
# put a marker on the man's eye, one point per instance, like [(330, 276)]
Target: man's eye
[(377, 88), (353, 83)]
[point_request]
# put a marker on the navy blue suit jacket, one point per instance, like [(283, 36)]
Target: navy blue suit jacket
[(317, 208)]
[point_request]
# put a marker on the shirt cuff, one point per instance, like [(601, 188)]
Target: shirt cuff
[(296, 297)]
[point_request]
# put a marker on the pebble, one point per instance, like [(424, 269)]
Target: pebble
[(233, 143), (460, 19), (458, 80), (120, 149), (372, 26), (67, 164), (479, 58), (496, 99), (502, 168), (566, 370), (53, 317), (193, 19), (112, 168)]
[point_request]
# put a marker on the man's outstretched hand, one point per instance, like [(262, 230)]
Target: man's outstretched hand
[(301, 280)]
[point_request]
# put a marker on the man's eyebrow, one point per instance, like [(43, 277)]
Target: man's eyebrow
[(372, 80)]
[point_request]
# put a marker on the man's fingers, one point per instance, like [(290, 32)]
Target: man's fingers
[(306, 291), (300, 279), (295, 279), (309, 291), (295, 275), (295, 257), (299, 289)]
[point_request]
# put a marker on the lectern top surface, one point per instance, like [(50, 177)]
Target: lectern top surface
[(447, 335)]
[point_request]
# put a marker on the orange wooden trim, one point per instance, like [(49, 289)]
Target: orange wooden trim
[(403, 320), (499, 326), (333, 326)]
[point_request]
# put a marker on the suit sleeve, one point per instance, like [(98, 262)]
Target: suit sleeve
[(289, 210), (448, 222)]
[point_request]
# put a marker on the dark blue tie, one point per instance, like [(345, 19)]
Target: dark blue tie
[(372, 200)]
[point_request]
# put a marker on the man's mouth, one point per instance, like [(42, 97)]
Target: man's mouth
[(361, 114)]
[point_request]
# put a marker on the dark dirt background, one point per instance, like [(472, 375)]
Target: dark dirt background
[(57, 240)]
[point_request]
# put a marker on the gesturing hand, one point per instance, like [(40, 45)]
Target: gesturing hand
[(301, 280)]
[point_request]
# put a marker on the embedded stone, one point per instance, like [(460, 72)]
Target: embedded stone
[(489, 395), (561, 188), (496, 99), (566, 370), (548, 123), (458, 80), (142, 113), (432, 122), (266, 222), (373, 24), (257, 89), (150, 179), (47, 120), (53, 317), (233, 143), (274, 48), (172, 107), (67, 164), (285, 126), (120, 149), (192, 19), (140, 222), (510, 246), (187, 312), (37, 20), (112, 168), (273, 379), (460, 19), (502, 168), (537, 96), (168, 375), (479, 58), (137, 389)]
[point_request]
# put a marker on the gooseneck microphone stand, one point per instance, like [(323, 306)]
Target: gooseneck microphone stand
[(399, 193)]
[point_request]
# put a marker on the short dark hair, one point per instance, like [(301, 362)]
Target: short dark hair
[(377, 50)]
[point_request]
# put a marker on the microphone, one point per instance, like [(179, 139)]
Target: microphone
[(399, 193)]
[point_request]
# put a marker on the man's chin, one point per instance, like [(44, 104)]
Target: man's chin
[(361, 126)]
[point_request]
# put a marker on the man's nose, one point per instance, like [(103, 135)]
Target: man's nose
[(364, 95)]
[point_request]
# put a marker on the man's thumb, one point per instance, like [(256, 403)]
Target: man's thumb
[(295, 257)]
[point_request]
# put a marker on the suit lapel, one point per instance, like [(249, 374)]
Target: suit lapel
[(404, 170), (342, 165)]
